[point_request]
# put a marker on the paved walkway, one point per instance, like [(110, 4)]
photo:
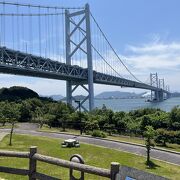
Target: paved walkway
[(158, 154)]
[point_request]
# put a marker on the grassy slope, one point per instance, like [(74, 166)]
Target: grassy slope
[(100, 157), (173, 147)]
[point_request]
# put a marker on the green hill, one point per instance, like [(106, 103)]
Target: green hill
[(17, 93)]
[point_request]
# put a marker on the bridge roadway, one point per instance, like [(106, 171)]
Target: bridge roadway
[(31, 129), (19, 63)]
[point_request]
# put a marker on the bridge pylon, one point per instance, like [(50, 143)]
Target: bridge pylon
[(84, 45), (154, 82), (161, 84)]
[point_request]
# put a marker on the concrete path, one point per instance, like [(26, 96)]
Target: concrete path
[(158, 154)]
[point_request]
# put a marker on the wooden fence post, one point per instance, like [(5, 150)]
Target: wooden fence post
[(114, 170), (32, 162)]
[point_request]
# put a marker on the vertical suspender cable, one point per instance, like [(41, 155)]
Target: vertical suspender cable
[(96, 44), (22, 26), (39, 25), (4, 25), (57, 34), (106, 57), (52, 34), (63, 26), (17, 18), (31, 33), (29, 43), (75, 35), (12, 18), (79, 56), (48, 36)]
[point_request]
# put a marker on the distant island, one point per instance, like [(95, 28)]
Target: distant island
[(113, 95), (175, 94), (120, 95), (106, 95), (57, 97), (22, 93)]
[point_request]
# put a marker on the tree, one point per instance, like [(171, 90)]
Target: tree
[(162, 136), (92, 123), (3, 119), (40, 117), (119, 120), (82, 118), (12, 114), (109, 128), (61, 112), (149, 136), (25, 111), (146, 121), (50, 119), (175, 118), (64, 118)]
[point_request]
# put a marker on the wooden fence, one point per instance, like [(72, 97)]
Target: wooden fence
[(33, 157)]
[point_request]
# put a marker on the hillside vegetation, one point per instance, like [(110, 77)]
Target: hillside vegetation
[(17, 93), (99, 122)]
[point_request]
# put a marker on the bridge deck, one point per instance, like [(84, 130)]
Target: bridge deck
[(19, 63)]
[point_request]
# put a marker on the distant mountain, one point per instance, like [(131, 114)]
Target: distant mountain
[(77, 97), (175, 94), (56, 97), (146, 95), (118, 95)]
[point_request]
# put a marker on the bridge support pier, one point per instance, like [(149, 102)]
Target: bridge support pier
[(157, 96), (84, 45)]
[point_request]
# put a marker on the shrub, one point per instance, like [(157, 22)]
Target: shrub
[(98, 133), (164, 136)]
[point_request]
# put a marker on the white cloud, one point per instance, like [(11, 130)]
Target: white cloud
[(155, 48), (160, 57)]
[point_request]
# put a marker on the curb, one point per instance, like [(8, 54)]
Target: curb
[(169, 151), (124, 142)]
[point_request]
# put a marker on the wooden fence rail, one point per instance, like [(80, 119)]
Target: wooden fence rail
[(33, 157)]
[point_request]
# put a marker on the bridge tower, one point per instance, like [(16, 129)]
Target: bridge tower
[(162, 87), (161, 84), (168, 95), (84, 45), (154, 82)]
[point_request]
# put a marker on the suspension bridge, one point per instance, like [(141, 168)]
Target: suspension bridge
[(65, 43)]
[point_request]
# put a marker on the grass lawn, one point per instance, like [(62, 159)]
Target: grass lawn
[(93, 155), (127, 139), (173, 147), (59, 130)]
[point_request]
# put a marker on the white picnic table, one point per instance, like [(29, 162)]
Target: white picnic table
[(71, 142)]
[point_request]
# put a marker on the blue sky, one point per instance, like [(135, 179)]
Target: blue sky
[(146, 34)]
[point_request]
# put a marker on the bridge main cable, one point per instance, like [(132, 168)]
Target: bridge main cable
[(38, 6), (114, 49)]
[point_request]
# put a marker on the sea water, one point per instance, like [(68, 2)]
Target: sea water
[(133, 104)]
